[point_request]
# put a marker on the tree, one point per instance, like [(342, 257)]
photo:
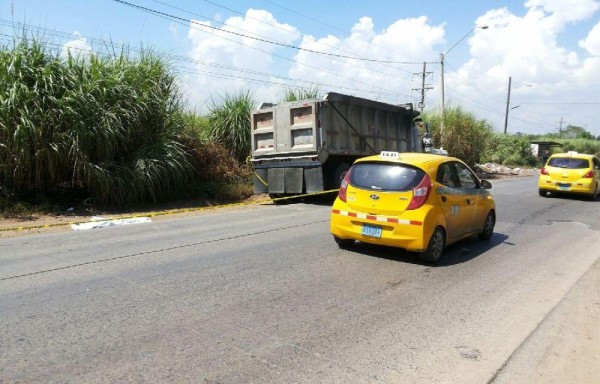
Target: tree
[(575, 132)]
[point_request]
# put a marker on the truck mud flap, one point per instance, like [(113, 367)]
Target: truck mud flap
[(276, 180), (314, 179), (260, 181), (294, 178)]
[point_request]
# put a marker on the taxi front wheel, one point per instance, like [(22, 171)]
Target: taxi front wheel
[(488, 227), (435, 247)]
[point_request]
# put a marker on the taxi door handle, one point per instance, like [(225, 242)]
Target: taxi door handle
[(444, 199), (468, 201)]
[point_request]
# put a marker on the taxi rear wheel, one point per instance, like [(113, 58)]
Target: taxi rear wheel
[(436, 245), (343, 243), (488, 227), (594, 194), (543, 193)]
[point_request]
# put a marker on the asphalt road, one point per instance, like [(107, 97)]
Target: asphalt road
[(263, 295)]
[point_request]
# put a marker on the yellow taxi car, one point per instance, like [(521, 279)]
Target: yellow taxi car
[(571, 172), (416, 201)]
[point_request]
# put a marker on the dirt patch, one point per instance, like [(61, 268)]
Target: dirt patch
[(62, 221)]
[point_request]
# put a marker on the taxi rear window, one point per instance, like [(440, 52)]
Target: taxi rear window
[(569, 163), (385, 176)]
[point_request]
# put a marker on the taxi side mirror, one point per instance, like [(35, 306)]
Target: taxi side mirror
[(486, 184)]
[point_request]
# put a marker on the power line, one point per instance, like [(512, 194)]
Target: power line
[(203, 62), (261, 39), (530, 122), (305, 16), (557, 102), (355, 55), (195, 25), (291, 81)]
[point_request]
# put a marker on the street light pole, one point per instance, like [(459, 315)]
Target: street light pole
[(507, 106), (442, 59), (443, 94)]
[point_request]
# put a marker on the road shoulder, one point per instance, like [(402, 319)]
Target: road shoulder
[(565, 347)]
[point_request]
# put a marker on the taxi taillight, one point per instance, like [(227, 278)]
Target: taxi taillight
[(344, 187), (589, 175), (420, 193), (543, 171)]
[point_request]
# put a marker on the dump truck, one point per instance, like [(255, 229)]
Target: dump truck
[(308, 146)]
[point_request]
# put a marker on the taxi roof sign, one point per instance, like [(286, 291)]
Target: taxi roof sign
[(390, 154)]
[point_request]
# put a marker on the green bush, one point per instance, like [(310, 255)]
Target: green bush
[(104, 126), (580, 145), (509, 150)]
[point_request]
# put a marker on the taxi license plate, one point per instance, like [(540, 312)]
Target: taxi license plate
[(564, 186), (371, 230)]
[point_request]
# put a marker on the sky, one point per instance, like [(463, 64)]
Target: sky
[(377, 49)]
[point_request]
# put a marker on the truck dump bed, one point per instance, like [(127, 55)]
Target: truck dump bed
[(296, 146)]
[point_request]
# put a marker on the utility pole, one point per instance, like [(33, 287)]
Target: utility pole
[(423, 88), (442, 57), (560, 123), (507, 105)]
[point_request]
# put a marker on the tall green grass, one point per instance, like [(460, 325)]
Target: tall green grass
[(464, 136), (296, 94), (229, 123), (105, 126)]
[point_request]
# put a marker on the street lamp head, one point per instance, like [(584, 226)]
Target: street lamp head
[(523, 85), (462, 38)]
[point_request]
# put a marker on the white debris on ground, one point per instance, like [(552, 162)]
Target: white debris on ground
[(491, 168), (109, 223)]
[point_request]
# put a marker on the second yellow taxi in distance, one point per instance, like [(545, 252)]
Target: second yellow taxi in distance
[(416, 201), (571, 172)]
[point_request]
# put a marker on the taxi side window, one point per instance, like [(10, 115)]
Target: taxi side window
[(467, 178), (596, 164), (446, 175)]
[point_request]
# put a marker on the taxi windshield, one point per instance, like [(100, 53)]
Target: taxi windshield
[(385, 176), (568, 162)]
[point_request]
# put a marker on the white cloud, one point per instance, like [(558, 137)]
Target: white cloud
[(592, 42), (230, 45), (563, 11), (391, 82), (78, 47), (528, 48)]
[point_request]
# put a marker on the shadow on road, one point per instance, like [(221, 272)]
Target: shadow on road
[(571, 196), (456, 253)]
